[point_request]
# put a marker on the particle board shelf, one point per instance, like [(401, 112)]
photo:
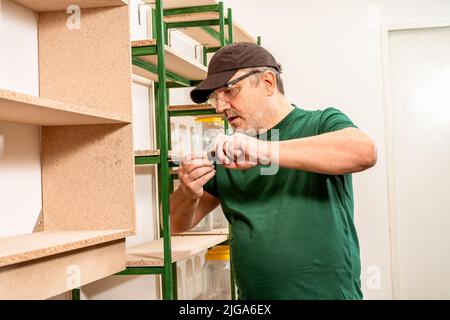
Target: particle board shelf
[(151, 254), (175, 62), (22, 108), (173, 4), (191, 107), (156, 153), (146, 153), (43, 264), (57, 5), (222, 231), (17, 249), (207, 40)]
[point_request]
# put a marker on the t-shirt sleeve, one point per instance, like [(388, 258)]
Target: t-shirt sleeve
[(332, 120)]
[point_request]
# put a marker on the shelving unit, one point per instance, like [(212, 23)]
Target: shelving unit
[(202, 22), (145, 61), (86, 152), (206, 22)]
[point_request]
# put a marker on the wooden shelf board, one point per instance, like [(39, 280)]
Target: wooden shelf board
[(151, 254), (240, 34), (176, 63), (205, 39), (22, 108), (173, 4), (52, 275), (191, 107), (222, 231), (56, 5), (37, 245), (192, 17), (143, 43), (154, 153), (146, 153)]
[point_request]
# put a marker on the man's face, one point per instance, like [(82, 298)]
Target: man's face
[(243, 111)]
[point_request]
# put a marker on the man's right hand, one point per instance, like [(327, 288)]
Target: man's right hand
[(194, 171)]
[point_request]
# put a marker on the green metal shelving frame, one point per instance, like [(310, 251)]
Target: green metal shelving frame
[(167, 80)]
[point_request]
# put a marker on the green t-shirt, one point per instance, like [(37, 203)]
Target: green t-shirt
[(293, 235)]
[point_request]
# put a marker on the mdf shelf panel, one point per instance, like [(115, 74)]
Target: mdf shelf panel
[(43, 264), (18, 249), (87, 171), (173, 4), (90, 66), (88, 177), (221, 231), (147, 153), (155, 153), (205, 39), (21, 108), (176, 63), (191, 107), (56, 5), (151, 254)]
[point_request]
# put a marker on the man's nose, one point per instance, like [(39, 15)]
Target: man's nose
[(222, 106)]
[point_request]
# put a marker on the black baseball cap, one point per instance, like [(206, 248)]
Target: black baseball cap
[(226, 62)]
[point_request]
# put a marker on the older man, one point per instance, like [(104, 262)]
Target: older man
[(293, 235)]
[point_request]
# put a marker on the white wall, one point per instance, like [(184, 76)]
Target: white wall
[(20, 172), (331, 55)]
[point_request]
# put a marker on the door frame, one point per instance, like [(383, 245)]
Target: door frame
[(390, 152)]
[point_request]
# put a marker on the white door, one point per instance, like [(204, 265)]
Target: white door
[(419, 66)]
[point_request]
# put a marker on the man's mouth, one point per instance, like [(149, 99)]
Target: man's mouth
[(231, 118)]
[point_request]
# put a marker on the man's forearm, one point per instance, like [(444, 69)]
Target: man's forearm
[(182, 211), (340, 152)]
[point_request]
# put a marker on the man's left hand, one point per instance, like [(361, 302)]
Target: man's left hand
[(239, 151)]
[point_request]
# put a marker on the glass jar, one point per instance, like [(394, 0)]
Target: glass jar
[(206, 224), (219, 219), (207, 129), (216, 283)]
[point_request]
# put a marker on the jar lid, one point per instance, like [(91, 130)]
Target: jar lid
[(218, 253), (213, 119)]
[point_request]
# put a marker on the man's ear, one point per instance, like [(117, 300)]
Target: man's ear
[(270, 82)]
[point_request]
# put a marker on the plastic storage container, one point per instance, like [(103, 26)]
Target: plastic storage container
[(206, 224), (206, 129), (209, 128), (216, 282), (219, 219)]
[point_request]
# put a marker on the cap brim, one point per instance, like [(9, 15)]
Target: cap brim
[(201, 93)]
